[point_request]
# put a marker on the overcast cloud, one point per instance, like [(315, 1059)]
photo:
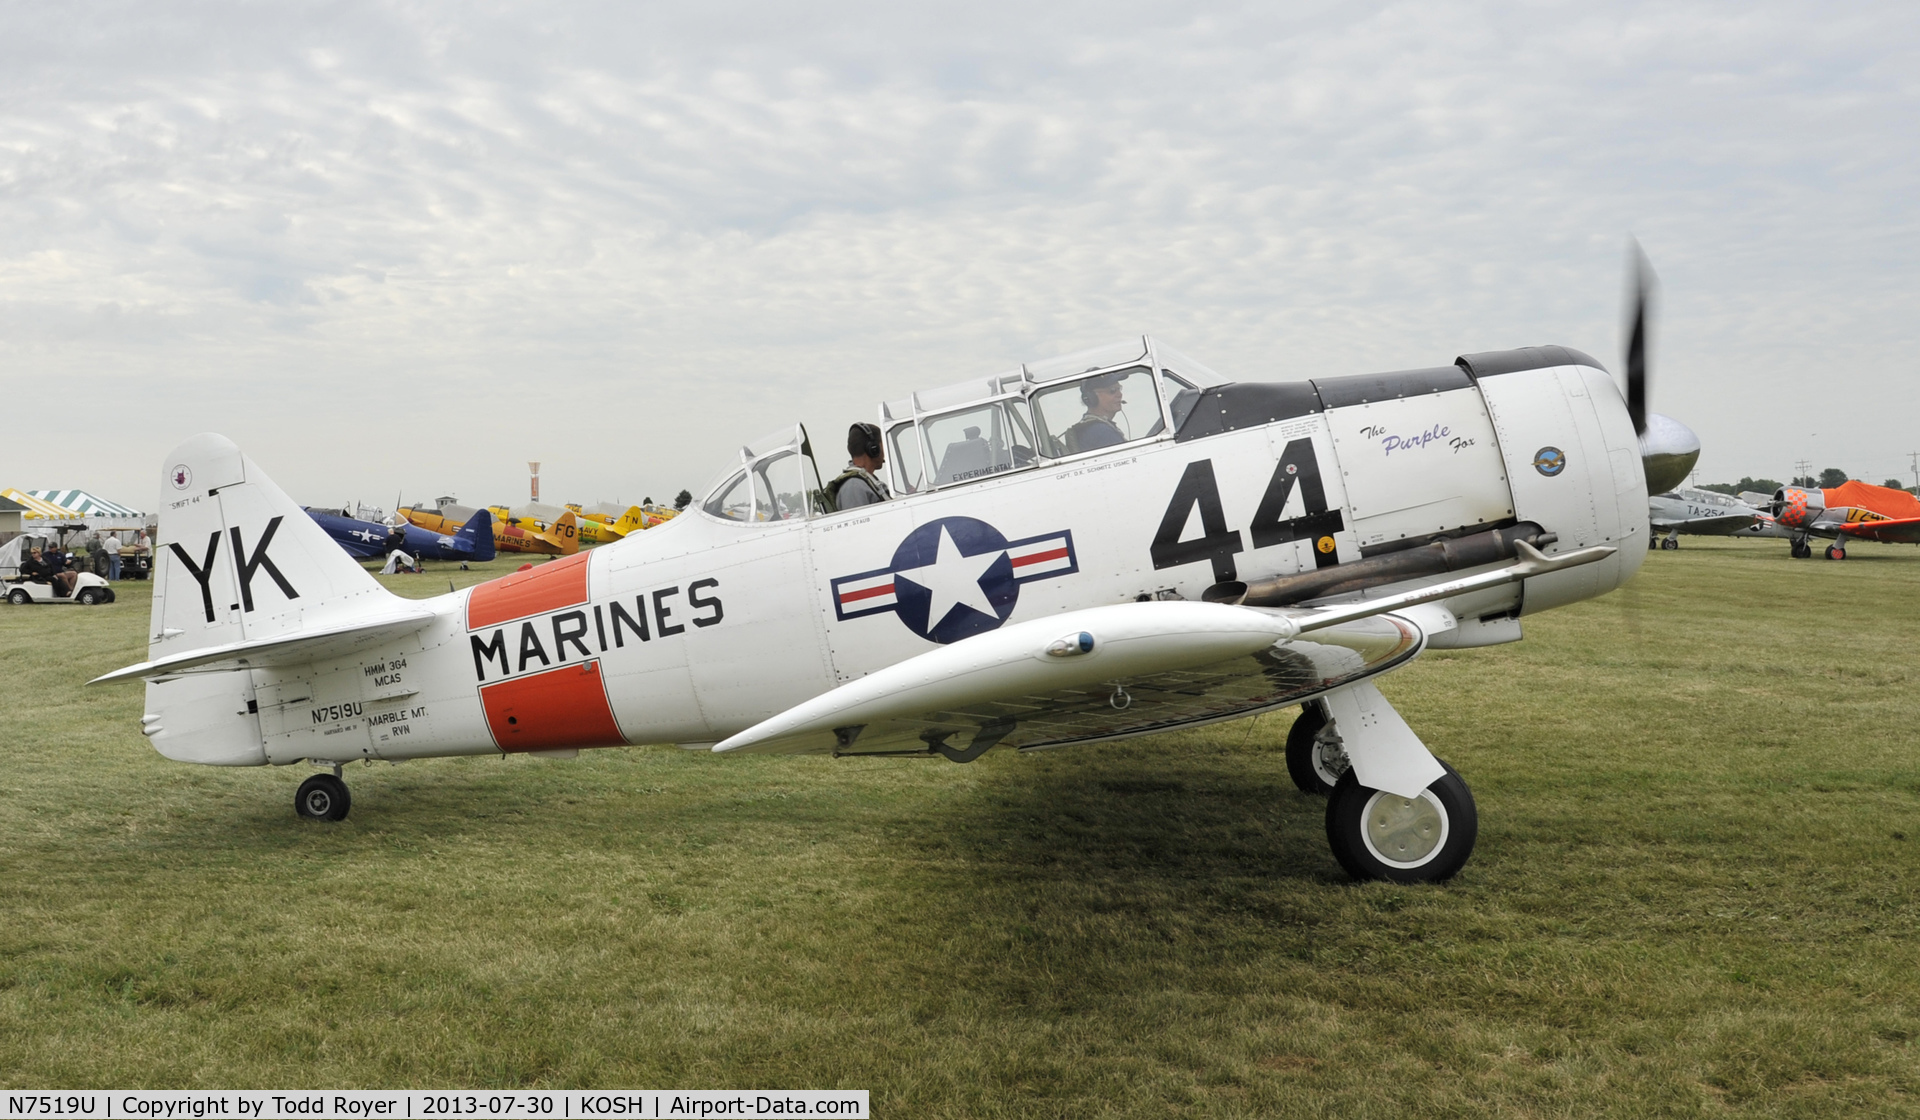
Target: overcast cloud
[(410, 247)]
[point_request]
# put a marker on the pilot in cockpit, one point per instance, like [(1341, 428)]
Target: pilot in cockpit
[(860, 484), (1096, 429)]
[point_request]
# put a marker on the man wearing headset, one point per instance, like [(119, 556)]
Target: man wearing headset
[(859, 484), (1096, 429)]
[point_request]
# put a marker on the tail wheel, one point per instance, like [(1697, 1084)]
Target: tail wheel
[(1380, 835), (1315, 757), (323, 797)]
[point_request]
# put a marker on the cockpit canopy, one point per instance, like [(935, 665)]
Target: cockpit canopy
[(1057, 409), (1060, 409)]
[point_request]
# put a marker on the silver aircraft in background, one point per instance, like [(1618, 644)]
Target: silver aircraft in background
[(1686, 509)]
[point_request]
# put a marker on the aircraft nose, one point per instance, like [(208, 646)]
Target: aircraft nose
[(1668, 450)]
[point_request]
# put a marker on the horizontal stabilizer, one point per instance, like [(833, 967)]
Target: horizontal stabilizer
[(319, 644)]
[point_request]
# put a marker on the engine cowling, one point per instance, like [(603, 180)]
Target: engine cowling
[(1798, 508)]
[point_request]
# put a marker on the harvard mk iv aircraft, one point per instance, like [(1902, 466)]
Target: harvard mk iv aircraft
[(1310, 536), (1854, 510)]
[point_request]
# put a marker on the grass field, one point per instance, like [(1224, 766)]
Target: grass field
[(1696, 892)]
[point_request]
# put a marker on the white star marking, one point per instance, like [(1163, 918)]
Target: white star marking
[(953, 579)]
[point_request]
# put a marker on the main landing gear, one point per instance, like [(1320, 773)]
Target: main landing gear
[(1799, 549), (323, 797), (1836, 552), (1316, 760), (1352, 735)]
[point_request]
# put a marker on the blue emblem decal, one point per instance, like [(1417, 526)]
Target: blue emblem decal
[(954, 578), (1549, 461)]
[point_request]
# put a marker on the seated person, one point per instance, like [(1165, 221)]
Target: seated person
[(860, 484), (1104, 399), (35, 568)]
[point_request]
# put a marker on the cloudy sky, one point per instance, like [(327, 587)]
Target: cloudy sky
[(407, 247)]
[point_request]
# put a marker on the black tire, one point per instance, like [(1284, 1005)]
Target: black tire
[(323, 797), (1308, 761), (1800, 551), (1835, 552), (110, 596), (88, 596), (1668, 544), (19, 597), (1365, 848)]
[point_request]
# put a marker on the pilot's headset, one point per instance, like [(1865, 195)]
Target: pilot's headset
[(1093, 384), (863, 439)]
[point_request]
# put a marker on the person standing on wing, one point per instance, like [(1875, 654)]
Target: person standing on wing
[(859, 484), (1096, 429)]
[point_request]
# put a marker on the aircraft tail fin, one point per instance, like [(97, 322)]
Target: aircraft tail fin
[(566, 533), (239, 561), (632, 521), (478, 531)]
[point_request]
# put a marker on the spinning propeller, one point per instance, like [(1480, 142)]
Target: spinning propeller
[(1668, 448)]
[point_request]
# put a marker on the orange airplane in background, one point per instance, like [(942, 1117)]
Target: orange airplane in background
[(1852, 511), (559, 538)]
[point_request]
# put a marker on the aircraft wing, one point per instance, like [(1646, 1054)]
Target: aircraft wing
[(1718, 525), (1094, 674), (1903, 530), (1115, 671), (317, 644)]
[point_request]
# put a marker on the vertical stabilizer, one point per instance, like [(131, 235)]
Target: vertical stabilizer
[(478, 532), (238, 560)]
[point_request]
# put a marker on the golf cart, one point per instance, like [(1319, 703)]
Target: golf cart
[(88, 590)]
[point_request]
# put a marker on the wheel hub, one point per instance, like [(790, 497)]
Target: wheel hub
[(1404, 831)]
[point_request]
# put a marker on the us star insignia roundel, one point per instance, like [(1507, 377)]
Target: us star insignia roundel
[(954, 578)]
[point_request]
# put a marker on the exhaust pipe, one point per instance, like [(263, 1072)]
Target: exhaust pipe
[(1490, 547)]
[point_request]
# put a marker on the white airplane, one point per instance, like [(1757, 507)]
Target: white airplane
[(1685, 509), (1244, 547)]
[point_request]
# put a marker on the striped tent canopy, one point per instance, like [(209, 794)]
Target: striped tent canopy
[(82, 502), (38, 509)]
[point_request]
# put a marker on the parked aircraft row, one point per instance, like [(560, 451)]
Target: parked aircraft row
[(1853, 511), (472, 540)]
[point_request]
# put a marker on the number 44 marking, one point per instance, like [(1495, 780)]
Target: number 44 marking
[(1218, 544)]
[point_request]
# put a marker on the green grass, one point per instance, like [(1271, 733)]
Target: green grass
[(1694, 894)]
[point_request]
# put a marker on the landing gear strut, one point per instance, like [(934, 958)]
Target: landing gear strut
[(1394, 811), (323, 797)]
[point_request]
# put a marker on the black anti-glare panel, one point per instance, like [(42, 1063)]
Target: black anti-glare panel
[(1247, 404), (1527, 357), (1367, 388)]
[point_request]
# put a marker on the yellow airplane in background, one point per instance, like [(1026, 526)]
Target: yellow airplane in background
[(559, 537), (603, 525)]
